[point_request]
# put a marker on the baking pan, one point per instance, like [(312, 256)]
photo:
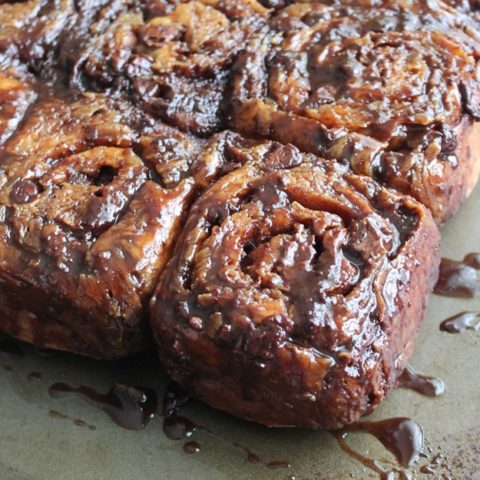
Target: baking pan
[(43, 438)]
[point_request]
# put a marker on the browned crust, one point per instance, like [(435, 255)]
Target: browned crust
[(281, 393), (30, 315), (443, 194), (443, 182), (230, 384), (465, 177), (83, 314)]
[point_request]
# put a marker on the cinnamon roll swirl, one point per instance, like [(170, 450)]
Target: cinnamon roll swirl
[(295, 291), (392, 90)]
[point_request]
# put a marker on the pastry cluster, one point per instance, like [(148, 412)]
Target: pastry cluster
[(253, 186)]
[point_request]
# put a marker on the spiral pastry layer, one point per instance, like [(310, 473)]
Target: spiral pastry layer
[(30, 30), (256, 182), (391, 90), (175, 61), (84, 229), (16, 95), (295, 291)]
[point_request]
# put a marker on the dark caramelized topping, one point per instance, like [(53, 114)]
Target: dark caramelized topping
[(298, 280), (374, 87), (459, 278), (286, 276), (128, 407)]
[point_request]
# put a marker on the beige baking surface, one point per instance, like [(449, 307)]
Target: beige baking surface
[(35, 446)]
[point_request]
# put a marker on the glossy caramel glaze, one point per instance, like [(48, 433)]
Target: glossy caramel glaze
[(295, 291), (472, 6), (130, 128), (85, 231), (92, 195), (392, 90), (402, 436), (31, 29), (459, 278), (175, 61), (428, 386), (129, 407), (461, 322), (16, 95)]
